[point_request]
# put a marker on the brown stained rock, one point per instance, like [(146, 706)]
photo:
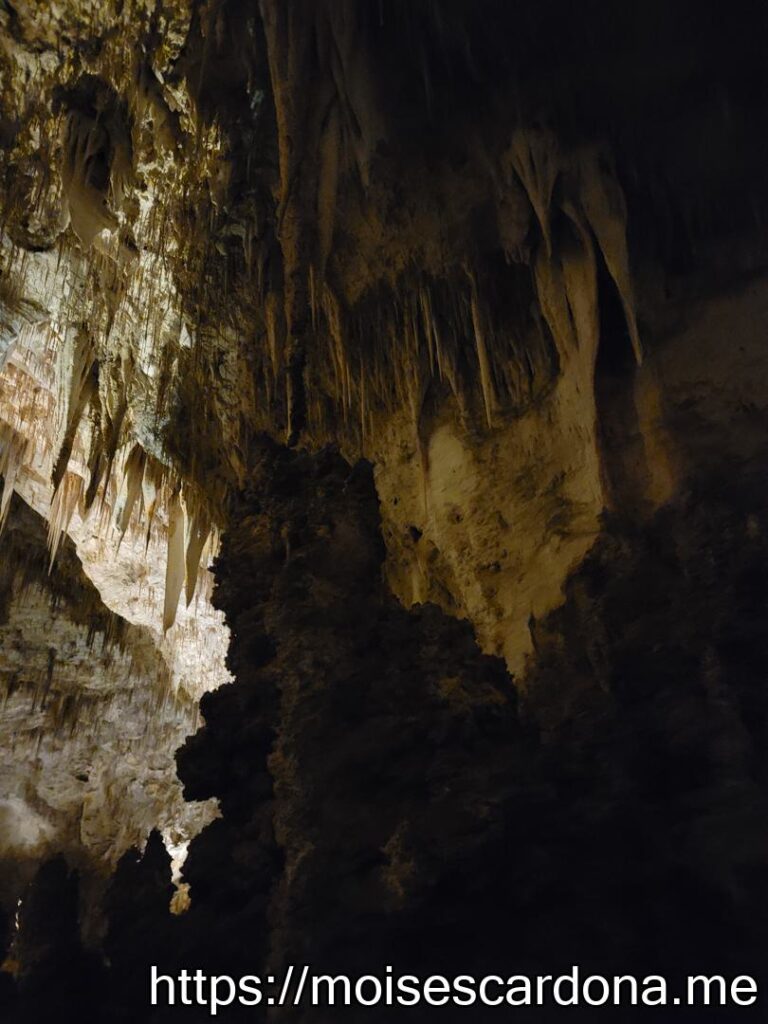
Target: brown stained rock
[(439, 236)]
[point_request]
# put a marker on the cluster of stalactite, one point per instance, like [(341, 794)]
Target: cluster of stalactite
[(89, 717), (307, 218)]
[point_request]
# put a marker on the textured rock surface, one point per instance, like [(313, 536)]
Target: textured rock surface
[(382, 264), (512, 254), (646, 787), (89, 721), (383, 801)]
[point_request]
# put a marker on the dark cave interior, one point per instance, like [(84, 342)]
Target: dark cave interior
[(421, 347)]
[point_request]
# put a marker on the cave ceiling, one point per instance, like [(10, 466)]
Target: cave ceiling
[(406, 230)]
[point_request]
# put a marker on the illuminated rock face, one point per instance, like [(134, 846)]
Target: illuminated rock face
[(484, 247), (222, 220), (94, 781), (90, 718)]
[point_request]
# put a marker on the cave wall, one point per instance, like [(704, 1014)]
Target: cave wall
[(408, 232), (371, 738), (490, 527), (513, 256), (387, 799), (90, 719)]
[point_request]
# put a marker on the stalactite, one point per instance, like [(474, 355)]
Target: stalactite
[(67, 498), (328, 179), (196, 538), (486, 380), (273, 315), (580, 278), (533, 152), (83, 388), (133, 473), (175, 570), (553, 299), (290, 261), (604, 205), (86, 203), (12, 458)]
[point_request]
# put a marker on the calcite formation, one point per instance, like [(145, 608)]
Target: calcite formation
[(449, 318), (89, 720)]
